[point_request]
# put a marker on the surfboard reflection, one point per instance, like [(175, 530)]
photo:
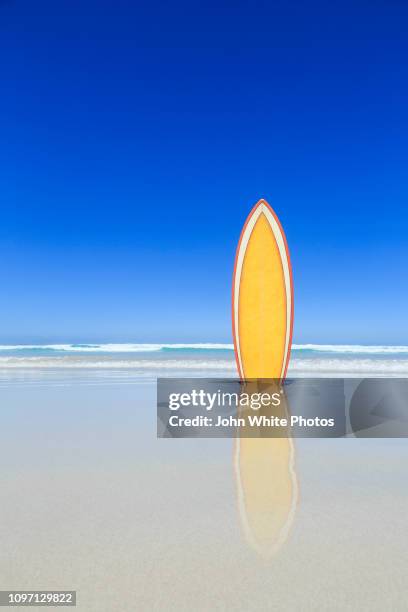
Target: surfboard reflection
[(267, 486)]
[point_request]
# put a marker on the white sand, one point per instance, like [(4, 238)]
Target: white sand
[(92, 501)]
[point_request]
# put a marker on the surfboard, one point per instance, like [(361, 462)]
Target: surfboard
[(262, 319), (262, 297)]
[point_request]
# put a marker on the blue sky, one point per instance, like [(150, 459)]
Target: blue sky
[(135, 139)]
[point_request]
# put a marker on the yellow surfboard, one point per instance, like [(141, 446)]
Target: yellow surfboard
[(262, 297), (262, 314)]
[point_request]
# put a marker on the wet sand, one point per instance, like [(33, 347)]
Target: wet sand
[(92, 501)]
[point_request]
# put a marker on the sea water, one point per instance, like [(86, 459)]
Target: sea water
[(138, 362)]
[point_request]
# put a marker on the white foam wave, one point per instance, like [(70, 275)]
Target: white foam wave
[(352, 348), (155, 347), (113, 348), (133, 364), (305, 366)]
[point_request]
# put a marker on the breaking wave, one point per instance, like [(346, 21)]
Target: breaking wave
[(297, 366), (352, 349), (345, 349), (112, 348)]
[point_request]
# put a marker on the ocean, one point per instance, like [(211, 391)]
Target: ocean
[(137, 363)]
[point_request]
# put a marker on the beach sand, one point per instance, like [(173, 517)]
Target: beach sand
[(93, 502)]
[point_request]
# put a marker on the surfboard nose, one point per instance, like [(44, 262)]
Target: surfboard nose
[(259, 204)]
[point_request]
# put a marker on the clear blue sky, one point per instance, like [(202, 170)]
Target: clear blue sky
[(135, 137)]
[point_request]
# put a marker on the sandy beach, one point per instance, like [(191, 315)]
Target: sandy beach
[(93, 502)]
